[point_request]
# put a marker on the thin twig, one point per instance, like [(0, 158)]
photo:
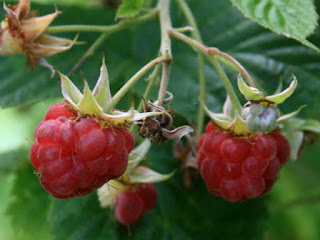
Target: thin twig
[(202, 81), (165, 48), (212, 51), (89, 52), (128, 85), (103, 29)]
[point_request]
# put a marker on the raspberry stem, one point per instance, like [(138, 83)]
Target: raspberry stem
[(126, 87), (165, 47), (211, 54), (202, 81)]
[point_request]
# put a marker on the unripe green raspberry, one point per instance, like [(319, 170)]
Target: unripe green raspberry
[(256, 109), (259, 119)]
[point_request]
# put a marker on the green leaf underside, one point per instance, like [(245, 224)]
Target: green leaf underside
[(294, 19), (129, 8)]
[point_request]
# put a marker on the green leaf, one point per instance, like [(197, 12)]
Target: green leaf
[(293, 19), (29, 207), (129, 8), (179, 214), (12, 161)]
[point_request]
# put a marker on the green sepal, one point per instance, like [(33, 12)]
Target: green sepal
[(145, 175), (107, 194), (282, 96), (136, 173), (219, 119), (138, 154), (295, 139), (294, 129), (102, 89), (290, 115), (238, 126), (88, 104), (250, 93), (69, 91)]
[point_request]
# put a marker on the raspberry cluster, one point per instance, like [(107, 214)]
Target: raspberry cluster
[(134, 202), (74, 157), (238, 168)]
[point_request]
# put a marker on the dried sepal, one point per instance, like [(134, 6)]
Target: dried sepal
[(23, 33), (160, 128)]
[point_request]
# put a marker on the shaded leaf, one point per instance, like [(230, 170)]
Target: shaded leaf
[(29, 207), (129, 8)]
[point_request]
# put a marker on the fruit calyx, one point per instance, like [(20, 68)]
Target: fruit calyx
[(136, 174), (97, 102), (259, 115)]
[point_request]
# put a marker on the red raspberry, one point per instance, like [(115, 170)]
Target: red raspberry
[(131, 204), (76, 157), (238, 168)]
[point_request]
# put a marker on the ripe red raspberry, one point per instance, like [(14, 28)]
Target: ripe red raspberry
[(132, 203), (238, 168), (74, 157)]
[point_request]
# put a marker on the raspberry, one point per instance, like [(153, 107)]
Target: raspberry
[(238, 168), (76, 157), (132, 203)]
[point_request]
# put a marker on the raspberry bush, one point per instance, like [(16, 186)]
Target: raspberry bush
[(106, 163)]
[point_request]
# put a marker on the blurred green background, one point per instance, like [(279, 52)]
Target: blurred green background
[(293, 203)]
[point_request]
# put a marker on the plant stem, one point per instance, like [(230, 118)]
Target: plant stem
[(104, 29), (210, 51), (202, 81), (152, 79), (128, 85), (165, 48), (90, 51), (233, 97)]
